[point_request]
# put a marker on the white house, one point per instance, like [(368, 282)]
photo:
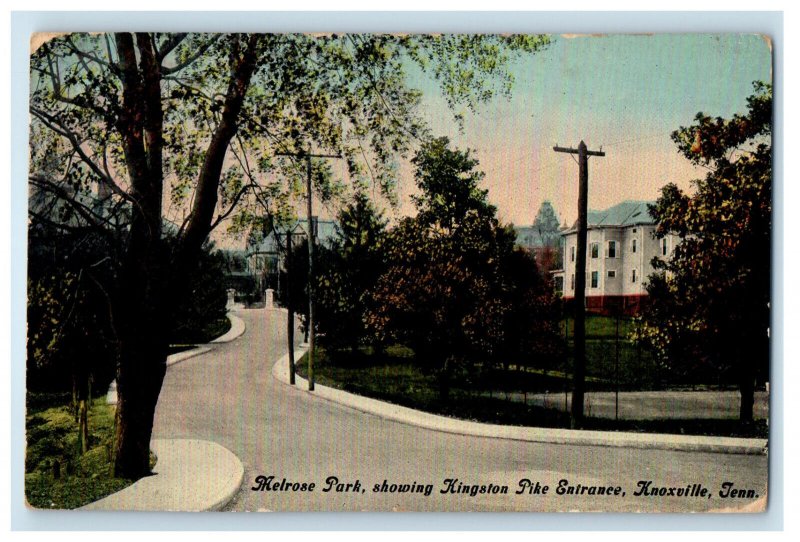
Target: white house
[(619, 250)]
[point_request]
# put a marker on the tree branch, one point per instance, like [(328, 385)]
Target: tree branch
[(55, 125), (84, 211), (168, 46), (208, 184), (170, 70), (86, 55)]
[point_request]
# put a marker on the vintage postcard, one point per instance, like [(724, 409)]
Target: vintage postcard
[(399, 272)]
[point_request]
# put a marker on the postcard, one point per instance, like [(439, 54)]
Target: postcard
[(399, 272)]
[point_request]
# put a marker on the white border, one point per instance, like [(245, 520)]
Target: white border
[(22, 24)]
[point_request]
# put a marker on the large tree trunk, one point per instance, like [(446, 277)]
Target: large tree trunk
[(144, 285), (140, 377), (143, 340), (142, 362), (143, 349), (747, 391)]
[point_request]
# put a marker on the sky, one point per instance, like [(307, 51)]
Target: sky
[(624, 93)]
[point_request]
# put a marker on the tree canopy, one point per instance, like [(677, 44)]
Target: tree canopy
[(710, 304), (194, 128), (456, 290)]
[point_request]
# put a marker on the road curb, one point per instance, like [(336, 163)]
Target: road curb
[(190, 476), (187, 354), (237, 329), (649, 441)]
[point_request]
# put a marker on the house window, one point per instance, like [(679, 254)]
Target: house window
[(559, 284), (634, 230), (595, 278), (633, 275), (612, 249), (612, 274), (664, 246), (572, 254), (595, 248), (572, 282), (633, 244)]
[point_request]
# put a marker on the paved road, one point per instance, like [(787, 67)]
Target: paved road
[(230, 397)]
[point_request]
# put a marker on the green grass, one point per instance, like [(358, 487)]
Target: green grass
[(215, 329), (636, 368), (57, 476), (396, 378)]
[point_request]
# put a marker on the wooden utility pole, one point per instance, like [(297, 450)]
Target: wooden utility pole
[(579, 370), (289, 306), (290, 323), (311, 339)]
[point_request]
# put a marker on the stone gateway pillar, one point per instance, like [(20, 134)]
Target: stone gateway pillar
[(269, 297)]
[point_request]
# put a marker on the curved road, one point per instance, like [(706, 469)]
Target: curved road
[(229, 396)]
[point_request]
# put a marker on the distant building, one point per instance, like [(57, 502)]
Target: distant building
[(543, 238), (264, 256), (619, 250)]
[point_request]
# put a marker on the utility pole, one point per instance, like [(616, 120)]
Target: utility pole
[(289, 306), (579, 371), (308, 156), (289, 234)]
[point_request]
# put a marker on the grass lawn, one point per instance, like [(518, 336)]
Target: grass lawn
[(613, 361), (215, 329), (57, 476), (395, 378)]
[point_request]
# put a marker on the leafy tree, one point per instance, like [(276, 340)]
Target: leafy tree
[(710, 304), (190, 125), (200, 299), (448, 184), (456, 290), (356, 261)]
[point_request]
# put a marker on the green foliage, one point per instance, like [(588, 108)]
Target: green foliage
[(199, 299), (343, 93), (73, 301), (709, 306), (71, 337), (57, 476), (455, 290), (213, 123), (354, 264), (448, 184)]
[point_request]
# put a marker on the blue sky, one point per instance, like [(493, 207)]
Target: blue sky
[(626, 93)]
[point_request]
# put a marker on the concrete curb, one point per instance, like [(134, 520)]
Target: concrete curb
[(649, 441), (190, 476), (111, 395), (186, 354), (237, 329)]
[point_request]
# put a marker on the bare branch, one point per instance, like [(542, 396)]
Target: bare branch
[(168, 46), (57, 126), (84, 211), (169, 70), (89, 56), (60, 225)]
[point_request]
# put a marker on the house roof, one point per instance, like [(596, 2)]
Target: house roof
[(326, 231), (627, 213)]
